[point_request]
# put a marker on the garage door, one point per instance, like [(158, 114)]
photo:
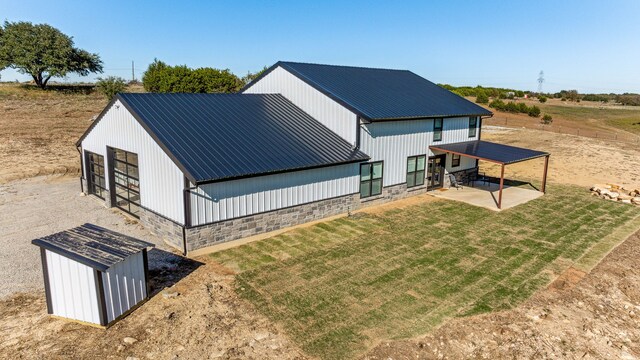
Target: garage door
[(127, 181)]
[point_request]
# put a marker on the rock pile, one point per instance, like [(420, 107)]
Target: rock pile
[(616, 193)]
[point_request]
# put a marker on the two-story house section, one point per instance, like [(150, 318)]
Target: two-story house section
[(393, 116)]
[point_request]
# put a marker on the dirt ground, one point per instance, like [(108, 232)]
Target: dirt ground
[(574, 159), (592, 316), (199, 317)]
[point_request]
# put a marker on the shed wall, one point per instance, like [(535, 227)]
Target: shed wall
[(124, 286), (313, 102), (394, 141), (73, 289), (237, 198), (161, 181)]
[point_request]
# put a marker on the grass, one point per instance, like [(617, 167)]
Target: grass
[(624, 119), (341, 286)]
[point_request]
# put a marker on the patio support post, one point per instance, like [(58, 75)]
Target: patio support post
[(544, 176), (501, 187)]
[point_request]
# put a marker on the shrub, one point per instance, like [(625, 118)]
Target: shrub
[(546, 119), (542, 99), (519, 94), (534, 111), (110, 86), (482, 98), (163, 78), (497, 104)]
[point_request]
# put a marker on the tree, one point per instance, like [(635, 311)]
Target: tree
[(542, 99), (534, 111), (252, 76), (163, 78), (546, 119), (482, 98), (43, 52), (111, 85)]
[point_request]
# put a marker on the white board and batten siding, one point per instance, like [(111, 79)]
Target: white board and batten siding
[(161, 181), (394, 141), (124, 286), (236, 198), (73, 289), (336, 117)]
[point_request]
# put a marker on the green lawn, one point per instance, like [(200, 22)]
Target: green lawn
[(624, 119), (340, 286)]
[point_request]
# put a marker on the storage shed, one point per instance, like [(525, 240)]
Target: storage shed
[(93, 275)]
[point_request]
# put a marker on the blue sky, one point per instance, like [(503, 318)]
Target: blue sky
[(591, 46)]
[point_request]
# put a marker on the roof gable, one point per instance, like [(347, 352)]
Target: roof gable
[(382, 94)]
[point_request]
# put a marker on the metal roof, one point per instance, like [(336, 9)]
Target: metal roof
[(382, 94), (489, 151), (215, 137), (92, 245)]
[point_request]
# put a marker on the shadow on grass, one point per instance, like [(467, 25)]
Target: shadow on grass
[(166, 269)]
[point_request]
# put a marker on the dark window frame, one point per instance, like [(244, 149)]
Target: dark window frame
[(437, 130), (473, 126), (126, 187), (414, 174), (455, 162), (371, 179), (95, 188)]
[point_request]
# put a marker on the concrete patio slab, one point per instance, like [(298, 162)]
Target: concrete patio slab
[(486, 196)]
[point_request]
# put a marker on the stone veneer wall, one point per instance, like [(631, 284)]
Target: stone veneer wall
[(161, 226), (228, 230), (463, 176)]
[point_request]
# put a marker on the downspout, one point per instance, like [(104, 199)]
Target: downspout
[(357, 146), (187, 213), (81, 169), (480, 125)]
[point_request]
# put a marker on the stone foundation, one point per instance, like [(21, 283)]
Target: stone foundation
[(161, 226), (223, 231)]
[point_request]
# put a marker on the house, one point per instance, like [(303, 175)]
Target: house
[(299, 143)]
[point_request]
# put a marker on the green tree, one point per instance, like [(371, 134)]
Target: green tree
[(43, 52), (534, 111), (546, 119), (482, 98), (111, 85), (542, 99), (163, 78), (252, 76)]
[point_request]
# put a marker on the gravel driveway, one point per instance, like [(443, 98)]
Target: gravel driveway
[(41, 206)]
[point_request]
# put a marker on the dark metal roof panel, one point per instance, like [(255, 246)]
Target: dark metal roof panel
[(383, 94), (224, 136), (504, 154), (91, 245)]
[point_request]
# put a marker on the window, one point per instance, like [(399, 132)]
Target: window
[(95, 179), (370, 179), (473, 126), (127, 183), (415, 170), (455, 160), (437, 129)]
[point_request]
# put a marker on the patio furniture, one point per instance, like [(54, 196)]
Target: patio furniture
[(486, 180), (454, 182)]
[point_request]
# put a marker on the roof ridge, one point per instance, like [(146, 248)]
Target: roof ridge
[(342, 66)]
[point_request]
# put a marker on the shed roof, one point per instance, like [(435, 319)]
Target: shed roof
[(92, 245), (382, 94), (215, 137), (489, 151)]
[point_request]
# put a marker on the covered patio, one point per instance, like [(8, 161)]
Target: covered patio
[(486, 194)]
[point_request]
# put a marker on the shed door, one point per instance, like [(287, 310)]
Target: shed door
[(127, 181)]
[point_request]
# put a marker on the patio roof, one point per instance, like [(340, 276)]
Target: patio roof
[(489, 151)]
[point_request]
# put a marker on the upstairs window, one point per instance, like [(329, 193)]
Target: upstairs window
[(437, 129), (455, 160), (370, 179), (415, 170), (473, 126)]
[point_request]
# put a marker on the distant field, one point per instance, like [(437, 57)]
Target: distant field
[(339, 287), (38, 129), (584, 118)]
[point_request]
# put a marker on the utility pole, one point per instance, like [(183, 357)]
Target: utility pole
[(540, 81), (133, 73)]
